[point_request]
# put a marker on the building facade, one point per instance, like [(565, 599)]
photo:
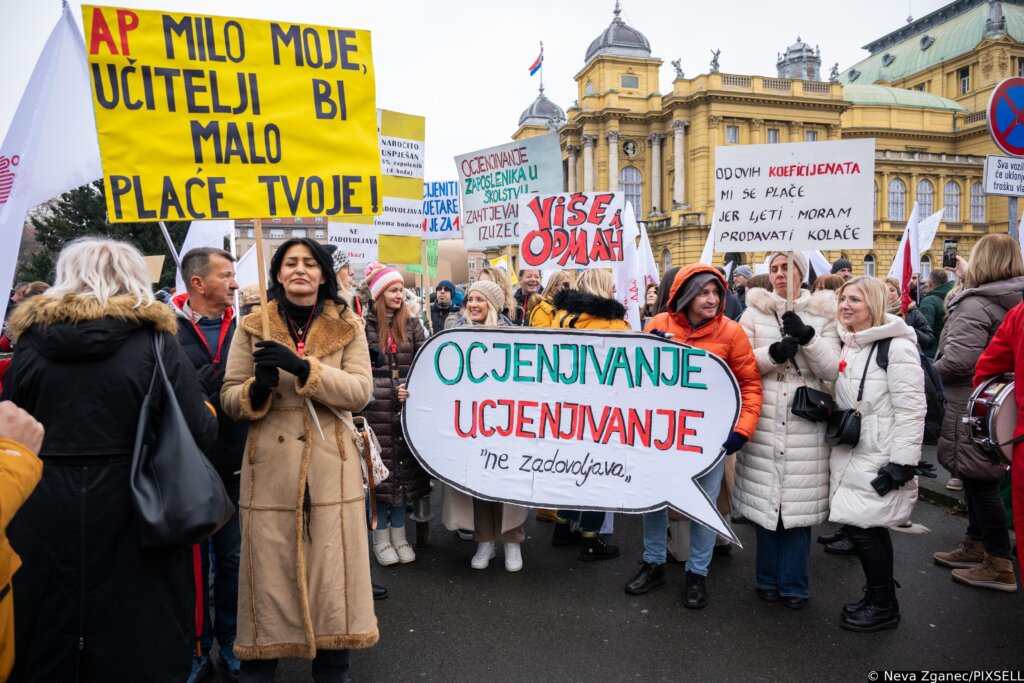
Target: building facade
[(921, 94)]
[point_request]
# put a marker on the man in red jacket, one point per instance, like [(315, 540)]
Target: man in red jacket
[(1005, 353)]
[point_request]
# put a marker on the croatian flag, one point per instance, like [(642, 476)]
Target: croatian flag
[(535, 67)]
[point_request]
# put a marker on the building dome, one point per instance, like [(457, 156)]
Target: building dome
[(619, 39), (800, 61), (542, 112)]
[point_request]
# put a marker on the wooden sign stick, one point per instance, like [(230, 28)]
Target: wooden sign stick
[(261, 271)]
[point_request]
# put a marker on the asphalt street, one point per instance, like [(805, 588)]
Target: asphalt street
[(560, 619)]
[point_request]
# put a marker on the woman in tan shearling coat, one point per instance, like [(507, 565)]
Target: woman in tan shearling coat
[(304, 580)]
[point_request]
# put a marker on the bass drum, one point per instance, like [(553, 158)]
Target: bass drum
[(992, 417)]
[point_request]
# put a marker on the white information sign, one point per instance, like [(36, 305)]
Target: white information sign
[(795, 197), (1004, 176), (572, 420)]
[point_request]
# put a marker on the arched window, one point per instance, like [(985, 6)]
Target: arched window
[(631, 185), (926, 270), (977, 203), (951, 195), (869, 265), (666, 260), (925, 198), (897, 200)]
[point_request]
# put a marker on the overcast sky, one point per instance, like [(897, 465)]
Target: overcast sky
[(465, 65)]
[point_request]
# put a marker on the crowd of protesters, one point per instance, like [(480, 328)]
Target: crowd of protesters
[(271, 398)]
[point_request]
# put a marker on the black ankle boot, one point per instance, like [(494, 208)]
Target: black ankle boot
[(880, 611), (650, 576), (564, 534), (696, 594), (851, 607), (594, 548), (379, 592)]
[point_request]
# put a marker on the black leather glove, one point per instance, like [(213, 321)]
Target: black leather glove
[(377, 359), (734, 443), (782, 351), (267, 377), (893, 476), (793, 326), (273, 354), (211, 377), (663, 335)]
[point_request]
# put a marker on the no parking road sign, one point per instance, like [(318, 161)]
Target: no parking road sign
[(1006, 116)]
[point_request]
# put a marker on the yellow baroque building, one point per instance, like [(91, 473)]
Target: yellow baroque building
[(921, 94)]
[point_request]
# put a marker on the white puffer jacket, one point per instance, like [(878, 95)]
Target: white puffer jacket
[(783, 469), (891, 427)]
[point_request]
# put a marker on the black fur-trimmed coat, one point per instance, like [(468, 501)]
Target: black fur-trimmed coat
[(583, 311)]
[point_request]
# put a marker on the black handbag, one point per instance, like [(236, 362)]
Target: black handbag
[(809, 403), (844, 425), (177, 495)]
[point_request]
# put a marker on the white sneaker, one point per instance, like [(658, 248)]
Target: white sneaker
[(484, 554), (382, 548), (405, 552), (513, 557), (955, 484)]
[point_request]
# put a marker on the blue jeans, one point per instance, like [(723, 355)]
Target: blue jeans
[(395, 513), (224, 548), (702, 539), (783, 560)]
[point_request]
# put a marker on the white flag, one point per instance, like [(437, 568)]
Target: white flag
[(628, 285), (709, 246), (247, 269), (648, 267), (51, 145), (925, 231), (203, 234)]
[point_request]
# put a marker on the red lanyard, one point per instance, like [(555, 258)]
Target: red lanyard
[(202, 338), (391, 343), (300, 337)]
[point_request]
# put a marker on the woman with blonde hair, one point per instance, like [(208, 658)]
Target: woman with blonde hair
[(498, 276), (993, 282), (82, 365), (872, 474), (489, 521), (542, 307)]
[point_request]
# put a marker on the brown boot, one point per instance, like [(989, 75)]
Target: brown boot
[(968, 554), (993, 572)]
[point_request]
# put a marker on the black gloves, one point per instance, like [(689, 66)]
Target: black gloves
[(793, 326), (734, 443), (272, 354), (663, 335), (784, 350), (377, 359), (211, 377), (893, 476), (267, 377)]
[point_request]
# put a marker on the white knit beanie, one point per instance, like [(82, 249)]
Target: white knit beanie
[(379, 277), (797, 259), (491, 291)]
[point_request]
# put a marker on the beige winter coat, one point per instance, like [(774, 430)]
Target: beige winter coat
[(298, 595), (892, 426), (783, 470)]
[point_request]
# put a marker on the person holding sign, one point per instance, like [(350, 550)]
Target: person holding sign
[(304, 581), (396, 336), (782, 472), (695, 315), (873, 484), (489, 521), (592, 307)]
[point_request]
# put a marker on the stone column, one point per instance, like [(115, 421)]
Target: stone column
[(588, 162), (612, 137), (655, 140), (572, 151), (679, 163)]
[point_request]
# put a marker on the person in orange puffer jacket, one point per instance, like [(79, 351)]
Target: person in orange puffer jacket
[(694, 314), (20, 469)]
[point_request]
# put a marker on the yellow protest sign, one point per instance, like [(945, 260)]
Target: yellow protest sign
[(203, 117), (399, 249)]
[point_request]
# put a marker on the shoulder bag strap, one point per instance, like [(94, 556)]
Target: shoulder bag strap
[(864, 376)]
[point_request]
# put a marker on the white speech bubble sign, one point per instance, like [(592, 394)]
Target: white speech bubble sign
[(611, 421)]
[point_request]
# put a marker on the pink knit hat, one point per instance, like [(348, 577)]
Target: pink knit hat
[(379, 277)]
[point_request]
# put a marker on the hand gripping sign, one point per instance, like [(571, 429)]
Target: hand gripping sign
[(584, 421)]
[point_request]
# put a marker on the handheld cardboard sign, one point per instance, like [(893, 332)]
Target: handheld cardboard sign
[(587, 421)]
